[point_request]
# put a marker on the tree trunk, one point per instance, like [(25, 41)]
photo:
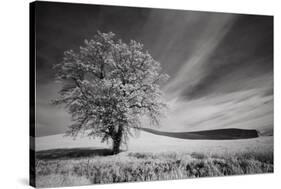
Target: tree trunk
[(117, 139)]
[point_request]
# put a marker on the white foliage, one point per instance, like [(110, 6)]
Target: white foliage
[(113, 84)]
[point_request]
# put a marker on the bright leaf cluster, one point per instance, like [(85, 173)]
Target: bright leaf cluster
[(108, 86)]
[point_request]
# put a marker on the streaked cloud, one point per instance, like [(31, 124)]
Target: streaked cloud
[(192, 71)]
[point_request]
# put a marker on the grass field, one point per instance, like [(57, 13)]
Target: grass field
[(65, 162), (132, 167)]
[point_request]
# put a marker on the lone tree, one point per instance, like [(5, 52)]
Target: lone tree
[(108, 86)]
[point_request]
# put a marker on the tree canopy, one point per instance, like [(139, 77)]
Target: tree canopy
[(108, 87)]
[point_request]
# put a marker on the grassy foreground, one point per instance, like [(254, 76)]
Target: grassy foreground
[(130, 167)]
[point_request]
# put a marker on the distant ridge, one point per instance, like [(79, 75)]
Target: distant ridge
[(217, 134)]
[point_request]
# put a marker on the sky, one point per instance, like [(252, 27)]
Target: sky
[(220, 65)]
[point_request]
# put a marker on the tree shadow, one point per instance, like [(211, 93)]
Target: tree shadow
[(71, 153)]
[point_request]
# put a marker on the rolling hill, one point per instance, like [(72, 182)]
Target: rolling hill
[(146, 141)]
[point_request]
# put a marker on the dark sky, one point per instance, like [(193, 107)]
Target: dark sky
[(203, 52)]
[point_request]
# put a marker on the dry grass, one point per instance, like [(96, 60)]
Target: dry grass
[(131, 167)]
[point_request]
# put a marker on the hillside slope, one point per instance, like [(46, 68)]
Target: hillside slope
[(148, 142)]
